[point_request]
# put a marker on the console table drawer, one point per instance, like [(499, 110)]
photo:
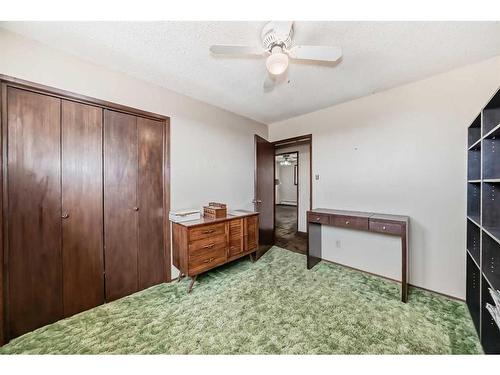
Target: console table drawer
[(385, 227), (206, 231), (350, 222), (318, 218)]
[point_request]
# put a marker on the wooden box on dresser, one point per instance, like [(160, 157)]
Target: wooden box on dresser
[(200, 245)]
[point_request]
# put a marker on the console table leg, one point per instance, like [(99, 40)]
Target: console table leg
[(193, 279), (314, 245), (404, 264)]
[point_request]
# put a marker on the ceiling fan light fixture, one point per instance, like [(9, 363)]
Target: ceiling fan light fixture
[(277, 62)]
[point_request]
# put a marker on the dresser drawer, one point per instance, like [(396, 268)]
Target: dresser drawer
[(206, 231), (318, 218), (385, 227), (206, 260), (205, 244), (350, 222)]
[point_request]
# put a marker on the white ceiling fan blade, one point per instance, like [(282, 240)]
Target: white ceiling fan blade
[(318, 53), (220, 49)]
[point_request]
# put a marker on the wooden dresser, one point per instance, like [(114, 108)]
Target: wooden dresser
[(200, 245)]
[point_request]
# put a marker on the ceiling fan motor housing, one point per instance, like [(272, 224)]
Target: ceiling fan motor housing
[(277, 33)]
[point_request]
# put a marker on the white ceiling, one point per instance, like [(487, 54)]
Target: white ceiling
[(377, 56)]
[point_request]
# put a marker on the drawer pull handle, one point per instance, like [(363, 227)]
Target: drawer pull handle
[(318, 219), (383, 228), (208, 231), (208, 260), (347, 222), (209, 246)]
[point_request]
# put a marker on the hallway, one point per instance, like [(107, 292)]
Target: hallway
[(287, 236)]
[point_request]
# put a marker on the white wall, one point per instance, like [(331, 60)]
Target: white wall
[(286, 190), (401, 151), (212, 150), (304, 183)]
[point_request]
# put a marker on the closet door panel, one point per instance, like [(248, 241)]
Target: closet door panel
[(120, 204), (82, 211), (34, 211), (151, 262)]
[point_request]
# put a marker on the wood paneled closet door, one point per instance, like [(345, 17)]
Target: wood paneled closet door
[(82, 207), (151, 261), (34, 211), (120, 204)]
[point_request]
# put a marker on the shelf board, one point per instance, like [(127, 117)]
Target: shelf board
[(477, 181), (476, 145), (486, 278), (493, 132), (494, 233), (491, 180), (473, 259), (474, 219)]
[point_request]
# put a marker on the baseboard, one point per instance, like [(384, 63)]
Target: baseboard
[(302, 234), (287, 204), (439, 293), (397, 281)]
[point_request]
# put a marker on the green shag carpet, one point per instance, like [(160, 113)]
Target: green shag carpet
[(273, 306)]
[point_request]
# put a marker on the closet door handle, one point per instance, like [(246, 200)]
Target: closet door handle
[(135, 208), (65, 215)]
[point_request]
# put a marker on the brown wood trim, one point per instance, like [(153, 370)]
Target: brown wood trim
[(63, 94), (3, 222), (394, 280), (166, 199), (438, 293), (310, 178), (291, 141), (360, 270), (297, 143)]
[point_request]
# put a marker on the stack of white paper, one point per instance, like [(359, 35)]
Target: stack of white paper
[(495, 309), (186, 215)]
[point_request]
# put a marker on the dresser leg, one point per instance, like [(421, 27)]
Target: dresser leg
[(193, 279), (252, 257), (181, 276)]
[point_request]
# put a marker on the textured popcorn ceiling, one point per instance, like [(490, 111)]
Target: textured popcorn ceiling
[(377, 56)]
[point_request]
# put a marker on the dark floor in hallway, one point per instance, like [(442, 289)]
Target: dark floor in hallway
[(287, 236)]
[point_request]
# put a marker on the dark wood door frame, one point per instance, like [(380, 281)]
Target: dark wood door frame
[(266, 228), (296, 141), (296, 188), (8, 81)]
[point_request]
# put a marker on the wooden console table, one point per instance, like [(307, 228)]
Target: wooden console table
[(380, 223)]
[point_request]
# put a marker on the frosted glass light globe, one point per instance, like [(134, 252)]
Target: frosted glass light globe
[(277, 62)]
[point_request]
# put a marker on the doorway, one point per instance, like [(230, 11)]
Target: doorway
[(283, 221), (292, 192)]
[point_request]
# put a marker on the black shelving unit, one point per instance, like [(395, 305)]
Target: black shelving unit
[(474, 241), (483, 221)]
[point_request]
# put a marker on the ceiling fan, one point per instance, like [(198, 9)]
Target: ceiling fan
[(277, 46)]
